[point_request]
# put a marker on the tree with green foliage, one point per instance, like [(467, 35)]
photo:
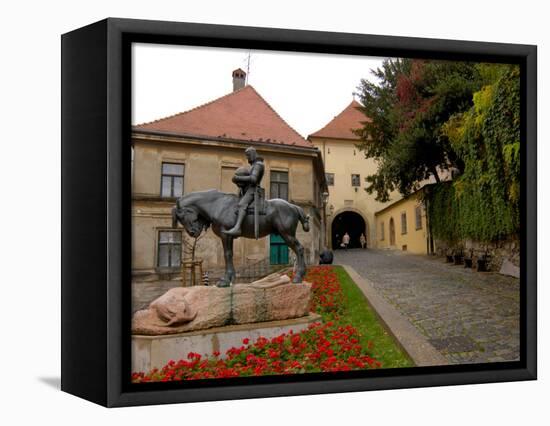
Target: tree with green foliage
[(483, 202), (406, 109), (428, 116)]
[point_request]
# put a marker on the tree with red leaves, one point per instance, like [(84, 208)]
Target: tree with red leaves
[(407, 106)]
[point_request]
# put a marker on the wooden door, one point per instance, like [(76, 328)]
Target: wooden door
[(392, 232), (278, 250)]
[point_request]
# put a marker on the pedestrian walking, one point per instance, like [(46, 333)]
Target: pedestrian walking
[(363, 241), (345, 240)]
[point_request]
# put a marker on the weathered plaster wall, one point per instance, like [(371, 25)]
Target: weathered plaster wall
[(209, 166), (342, 158), (415, 239)]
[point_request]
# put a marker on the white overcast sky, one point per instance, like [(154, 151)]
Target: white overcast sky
[(307, 90)]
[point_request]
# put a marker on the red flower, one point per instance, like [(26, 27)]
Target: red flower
[(328, 346), (273, 353)]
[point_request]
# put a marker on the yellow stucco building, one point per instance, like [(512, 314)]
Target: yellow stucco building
[(201, 149), (398, 224), (349, 207), (403, 225)]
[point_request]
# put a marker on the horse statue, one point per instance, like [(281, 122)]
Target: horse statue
[(199, 210)]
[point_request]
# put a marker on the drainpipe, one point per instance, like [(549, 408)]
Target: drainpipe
[(324, 227), (429, 239)]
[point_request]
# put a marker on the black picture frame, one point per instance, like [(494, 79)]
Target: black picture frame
[(96, 232)]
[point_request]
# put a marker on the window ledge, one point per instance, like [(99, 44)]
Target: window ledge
[(155, 198), (167, 270)]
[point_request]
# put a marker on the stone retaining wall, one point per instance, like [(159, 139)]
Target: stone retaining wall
[(499, 251)]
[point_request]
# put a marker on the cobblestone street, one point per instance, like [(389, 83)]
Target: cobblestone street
[(468, 316)]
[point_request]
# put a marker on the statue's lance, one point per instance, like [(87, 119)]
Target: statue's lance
[(256, 218)]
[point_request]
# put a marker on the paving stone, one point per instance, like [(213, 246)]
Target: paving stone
[(453, 344), (469, 317)]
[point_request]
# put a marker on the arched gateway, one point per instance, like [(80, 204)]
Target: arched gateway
[(350, 222)]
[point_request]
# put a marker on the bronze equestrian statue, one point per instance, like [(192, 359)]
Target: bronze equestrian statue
[(248, 185), (230, 216)]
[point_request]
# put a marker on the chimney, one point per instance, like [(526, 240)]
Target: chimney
[(239, 79)]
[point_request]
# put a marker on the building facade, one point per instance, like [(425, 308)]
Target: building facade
[(403, 225), (201, 149), (349, 207), (398, 224)]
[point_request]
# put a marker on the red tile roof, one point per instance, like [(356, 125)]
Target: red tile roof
[(340, 126), (242, 115)]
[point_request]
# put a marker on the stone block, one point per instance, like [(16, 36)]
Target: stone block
[(150, 352), (185, 309), (508, 268)]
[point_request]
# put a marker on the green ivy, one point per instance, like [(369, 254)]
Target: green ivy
[(483, 202)]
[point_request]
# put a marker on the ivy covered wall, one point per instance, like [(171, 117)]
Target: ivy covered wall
[(482, 203)]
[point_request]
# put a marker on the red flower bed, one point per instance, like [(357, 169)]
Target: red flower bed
[(323, 347), (327, 297)]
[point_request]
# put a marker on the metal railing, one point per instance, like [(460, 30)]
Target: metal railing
[(249, 272), (257, 270)]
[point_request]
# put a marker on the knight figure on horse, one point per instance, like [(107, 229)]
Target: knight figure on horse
[(248, 180), (198, 211)]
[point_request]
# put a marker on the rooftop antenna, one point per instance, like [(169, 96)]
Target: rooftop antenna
[(248, 66)]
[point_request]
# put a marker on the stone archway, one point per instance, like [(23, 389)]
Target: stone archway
[(392, 232), (351, 222)]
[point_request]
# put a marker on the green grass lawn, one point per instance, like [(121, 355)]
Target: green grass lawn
[(359, 314), (348, 337)]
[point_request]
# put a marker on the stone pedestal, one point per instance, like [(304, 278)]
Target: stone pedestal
[(150, 352), (199, 308), (205, 319)]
